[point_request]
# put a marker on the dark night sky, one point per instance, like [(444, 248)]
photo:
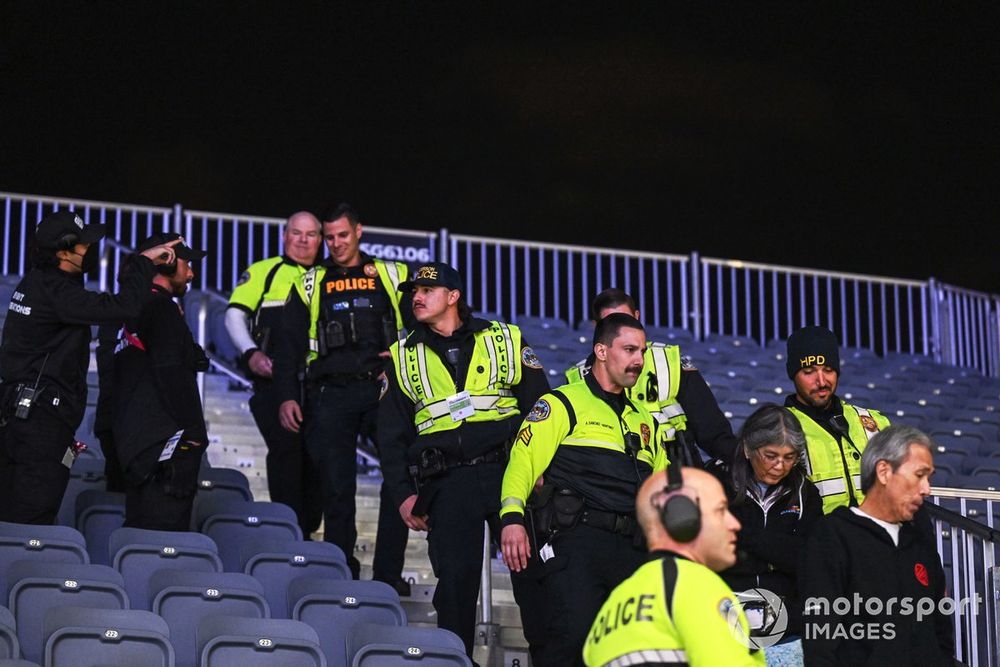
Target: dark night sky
[(860, 139)]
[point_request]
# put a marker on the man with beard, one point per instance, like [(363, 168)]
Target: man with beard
[(44, 358), (836, 433), (595, 448), (158, 424)]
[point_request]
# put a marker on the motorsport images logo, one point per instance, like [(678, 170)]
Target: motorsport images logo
[(767, 618)]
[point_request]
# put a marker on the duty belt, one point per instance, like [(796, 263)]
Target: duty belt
[(621, 524), (342, 378)]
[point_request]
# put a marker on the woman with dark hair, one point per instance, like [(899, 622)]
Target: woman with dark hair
[(777, 506)]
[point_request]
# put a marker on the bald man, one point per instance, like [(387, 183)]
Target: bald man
[(675, 609)]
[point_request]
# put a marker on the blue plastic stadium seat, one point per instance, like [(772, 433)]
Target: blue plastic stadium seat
[(86, 473), (276, 563), (56, 544), (17, 662), (224, 482), (371, 645), (77, 636), (332, 608), (231, 523), (532, 321), (98, 514), (669, 335), (9, 645), (230, 641), (34, 587), (136, 554), (184, 599)]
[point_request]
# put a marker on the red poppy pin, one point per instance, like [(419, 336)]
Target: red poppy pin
[(920, 572)]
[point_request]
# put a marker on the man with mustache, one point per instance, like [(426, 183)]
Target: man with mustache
[(836, 433), (874, 555), (595, 448)]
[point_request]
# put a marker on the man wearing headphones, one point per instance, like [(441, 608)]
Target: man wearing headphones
[(595, 447), (158, 424), (674, 608), (44, 357), (836, 433)]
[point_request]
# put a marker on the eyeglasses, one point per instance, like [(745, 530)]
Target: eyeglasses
[(772, 459)]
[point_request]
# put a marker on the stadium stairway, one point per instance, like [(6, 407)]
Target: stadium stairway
[(236, 443)]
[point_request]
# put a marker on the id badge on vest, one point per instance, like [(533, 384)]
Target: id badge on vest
[(460, 406)]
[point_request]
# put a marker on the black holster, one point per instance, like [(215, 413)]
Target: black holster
[(552, 510)]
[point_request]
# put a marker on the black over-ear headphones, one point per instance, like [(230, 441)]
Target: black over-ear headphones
[(680, 515)]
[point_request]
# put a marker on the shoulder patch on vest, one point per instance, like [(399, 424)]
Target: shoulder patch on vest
[(687, 364), (540, 411), (868, 423), (529, 358), (244, 278), (524, 435), (383, 385), (370, 270)]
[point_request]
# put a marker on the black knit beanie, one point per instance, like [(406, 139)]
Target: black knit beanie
[(811, 346)]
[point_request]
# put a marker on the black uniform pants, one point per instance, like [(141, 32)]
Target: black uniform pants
[(335, 414), (148, 506), (291, 478), (588, 564), (465, 498), (33, 477)]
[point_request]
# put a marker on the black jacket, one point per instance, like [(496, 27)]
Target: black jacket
[(397, 434), (847, 554), (771, 539), (155, 384), (48, 322)]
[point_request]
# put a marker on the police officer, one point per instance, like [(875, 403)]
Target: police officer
[(595, 447), (670, 388), (454, 400), (158, 425), (836, 433), (44, 357), (674, 609), (252, 320), (341, 318)]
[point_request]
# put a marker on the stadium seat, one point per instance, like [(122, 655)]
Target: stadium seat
[(76, 636), (9, 646), (55, 544), (231, 641), (17, 662), (669, 335), (372, 645), (544, 323), (86, 473), (184, 599), (98, 514), (276, 563), (35, 587), (136, 554), (955, 440), (332, 608), (224, 483), (232, 522)]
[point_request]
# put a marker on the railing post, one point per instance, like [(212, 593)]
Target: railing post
[(443, 245), (488, 632), (202, 321), (178, 220), (695, 283)]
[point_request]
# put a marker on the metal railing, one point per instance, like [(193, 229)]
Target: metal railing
[(968, 549)]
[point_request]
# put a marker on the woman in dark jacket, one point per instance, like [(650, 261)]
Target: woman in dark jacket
[(777, 506)]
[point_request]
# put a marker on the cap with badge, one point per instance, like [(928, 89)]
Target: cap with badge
[(180, 250), (812, 346), (64, 229), (435, 274)]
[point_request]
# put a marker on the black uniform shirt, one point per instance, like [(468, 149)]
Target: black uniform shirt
[(397, 434), (49, 320)]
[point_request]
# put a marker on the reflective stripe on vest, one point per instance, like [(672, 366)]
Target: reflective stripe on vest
[(660, 656), (391, 274), (427, 383)]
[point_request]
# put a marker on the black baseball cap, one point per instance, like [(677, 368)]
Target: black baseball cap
[(61, 224), (182, 251), (435, 274)]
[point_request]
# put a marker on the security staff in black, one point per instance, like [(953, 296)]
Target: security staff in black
[(454, 400), (671, 388), (252, 320), (158, 424), (594, 447), (44, 357), (341, 318)]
